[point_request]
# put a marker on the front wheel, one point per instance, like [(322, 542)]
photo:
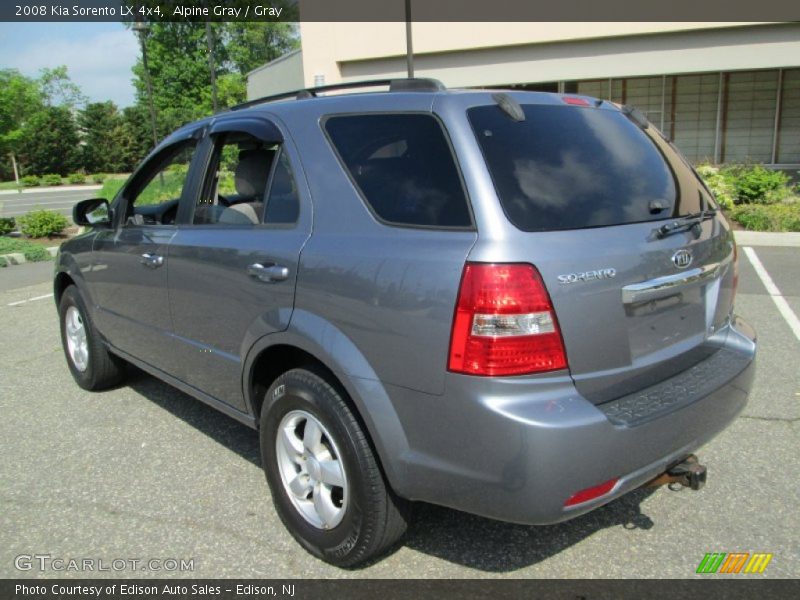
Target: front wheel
[(326, 484), (92, 366)]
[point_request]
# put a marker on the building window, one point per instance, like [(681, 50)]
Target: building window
[(788, 146), (748, 116), (693, 115)]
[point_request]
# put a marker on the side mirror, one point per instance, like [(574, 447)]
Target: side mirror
[(93, 213)]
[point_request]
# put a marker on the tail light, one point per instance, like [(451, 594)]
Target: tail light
[(504, 323)]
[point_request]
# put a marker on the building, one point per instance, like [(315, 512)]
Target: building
[(723, 92)]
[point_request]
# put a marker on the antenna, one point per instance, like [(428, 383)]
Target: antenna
[(409, 46)]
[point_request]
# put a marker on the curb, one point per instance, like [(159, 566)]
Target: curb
[(49, 189), (17, 258)]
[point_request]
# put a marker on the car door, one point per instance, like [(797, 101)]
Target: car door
[(234, 257), (129, 268)]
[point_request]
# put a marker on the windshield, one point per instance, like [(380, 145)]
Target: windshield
[(567, 167)]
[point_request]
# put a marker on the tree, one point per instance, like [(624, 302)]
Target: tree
[(101, 127), (20, 97), (133, 136), (49, 142), (58, 89), (251, 44), (177, 54)]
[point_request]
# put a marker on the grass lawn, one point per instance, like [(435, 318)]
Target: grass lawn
[(164, 186)]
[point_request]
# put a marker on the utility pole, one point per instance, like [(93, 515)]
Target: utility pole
[(141, 28), (409, 48), (211, 66)]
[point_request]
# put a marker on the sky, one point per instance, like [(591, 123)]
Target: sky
[(98, 56)]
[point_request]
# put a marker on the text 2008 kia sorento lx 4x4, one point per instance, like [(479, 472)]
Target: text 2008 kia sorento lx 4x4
[(515, 304)]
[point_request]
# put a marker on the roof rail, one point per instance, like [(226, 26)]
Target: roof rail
[(395, 85)]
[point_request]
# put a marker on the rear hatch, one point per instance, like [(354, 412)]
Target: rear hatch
[(599, 200)]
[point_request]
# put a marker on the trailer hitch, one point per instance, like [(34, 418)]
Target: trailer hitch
[(687, 473)]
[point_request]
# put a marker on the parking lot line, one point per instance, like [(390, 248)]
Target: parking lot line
[(772, 289), (18, 302)]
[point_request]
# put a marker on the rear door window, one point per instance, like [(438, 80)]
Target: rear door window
[(567, 167), (403, 166)]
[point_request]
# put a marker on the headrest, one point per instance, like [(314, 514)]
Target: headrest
[(250, 177)]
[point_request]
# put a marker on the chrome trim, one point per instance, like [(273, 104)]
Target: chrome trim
[(668, 284)]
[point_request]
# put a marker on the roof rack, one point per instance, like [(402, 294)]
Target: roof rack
[(395, 85)]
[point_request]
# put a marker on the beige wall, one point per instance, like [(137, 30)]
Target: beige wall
[(473, 54), (281, 75)]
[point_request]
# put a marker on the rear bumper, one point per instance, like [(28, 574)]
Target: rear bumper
[(516, 449)]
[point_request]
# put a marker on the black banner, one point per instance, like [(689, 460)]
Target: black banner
[(395, 10), (351, 589)]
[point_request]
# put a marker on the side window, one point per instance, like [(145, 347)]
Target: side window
[(403, 166), (283, 203), (236, 181), (155, 201)]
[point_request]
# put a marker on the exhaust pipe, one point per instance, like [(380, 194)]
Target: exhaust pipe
[(687, 473)]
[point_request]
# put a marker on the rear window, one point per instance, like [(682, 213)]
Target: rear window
[(403, 166), (568, 168)]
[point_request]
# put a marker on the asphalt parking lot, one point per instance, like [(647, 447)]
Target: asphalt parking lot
[(145, 472)]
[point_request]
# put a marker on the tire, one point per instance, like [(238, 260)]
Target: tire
[(363, 517), (101, 369)]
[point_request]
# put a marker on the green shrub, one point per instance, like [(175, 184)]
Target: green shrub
[(41, 223), (76, 178), (7, 225), (51, 179), (30, 181), (753, 184), (719, 185), (30, 250), (3, 262), (768, 217), (98, 177)]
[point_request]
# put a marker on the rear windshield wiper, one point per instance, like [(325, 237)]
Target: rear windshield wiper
[(685, 223)]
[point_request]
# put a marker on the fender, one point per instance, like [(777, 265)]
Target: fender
[(331, 347), (66, 263)]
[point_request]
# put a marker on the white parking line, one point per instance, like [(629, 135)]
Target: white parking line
[(18, 302), (772, 289)]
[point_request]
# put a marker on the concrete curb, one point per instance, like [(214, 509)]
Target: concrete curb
[(56, 188), (17, 258), (764, 238)]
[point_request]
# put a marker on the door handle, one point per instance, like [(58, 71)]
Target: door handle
[(152, 261), (268, 273)]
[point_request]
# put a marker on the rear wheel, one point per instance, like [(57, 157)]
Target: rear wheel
[(92, 366), (326, 484)]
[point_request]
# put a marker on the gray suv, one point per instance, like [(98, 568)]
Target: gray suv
[(515, 304)]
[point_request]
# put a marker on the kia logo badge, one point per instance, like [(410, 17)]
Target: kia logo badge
[(682, 258)]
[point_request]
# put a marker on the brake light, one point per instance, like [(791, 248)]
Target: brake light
[(591, 493), (504, 323), (575, 101)]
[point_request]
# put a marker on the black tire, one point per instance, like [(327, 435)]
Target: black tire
[(103, 369), (374, 517)]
